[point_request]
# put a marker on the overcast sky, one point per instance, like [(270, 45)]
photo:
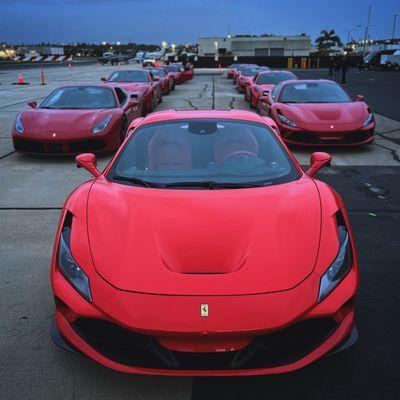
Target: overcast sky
[(182, 21)]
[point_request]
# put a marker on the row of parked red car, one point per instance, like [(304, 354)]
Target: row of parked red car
[(307, 112), (94, 117)]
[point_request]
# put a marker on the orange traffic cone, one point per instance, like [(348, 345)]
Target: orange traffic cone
[(42, 81), (20, 80)]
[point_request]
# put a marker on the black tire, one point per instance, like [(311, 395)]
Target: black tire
[(144, 111), (251, 101)]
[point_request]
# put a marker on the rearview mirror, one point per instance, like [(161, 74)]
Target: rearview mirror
[(32, 104), (103, 78), (360, 97), (89, 162), (318, 160)]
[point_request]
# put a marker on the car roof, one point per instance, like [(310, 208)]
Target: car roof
[(169, 115), (284, 83)]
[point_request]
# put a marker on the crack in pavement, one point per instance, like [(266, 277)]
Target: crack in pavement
[(392, 151), (8, 154), (29, 208)]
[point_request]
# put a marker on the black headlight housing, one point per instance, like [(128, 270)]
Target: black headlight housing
[(341, 265)]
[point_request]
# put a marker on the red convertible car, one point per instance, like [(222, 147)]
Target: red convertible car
[(75, 119), (138, 80), (246, 76), (204, 249), (263, 83), (310, 112), (166, 79)]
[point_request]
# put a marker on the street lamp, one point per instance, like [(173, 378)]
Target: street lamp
[(173, 47), (118, 43), (164, 45), (104, 43)]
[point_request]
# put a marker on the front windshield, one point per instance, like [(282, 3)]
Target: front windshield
[(158, 72), (313, 92), (273, 78), (241, 68), (203, 153), (252, 71), (80, 97), (171, 68), (129, 76)]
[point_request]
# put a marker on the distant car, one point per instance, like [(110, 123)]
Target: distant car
[(231, 70), (246, 76), (187, 71), (176, 72), (76, 118), (263, 83), (166, 79), (239, 70), (310, 112), (135, 80), (204, 249)]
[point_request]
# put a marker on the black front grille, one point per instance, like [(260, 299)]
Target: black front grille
[(82, 146), (271, 350), (29, 146), (348, 138)]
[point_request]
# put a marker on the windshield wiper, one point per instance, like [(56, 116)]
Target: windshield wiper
[(212, 184), (137, 181)]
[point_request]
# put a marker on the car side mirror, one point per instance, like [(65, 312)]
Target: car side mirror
[(89, 162), (318, 160), (360, 97), (156, 78), (103, 78), (32, 104)]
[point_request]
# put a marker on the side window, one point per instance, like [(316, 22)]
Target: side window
[(276, 91), (121, 96)]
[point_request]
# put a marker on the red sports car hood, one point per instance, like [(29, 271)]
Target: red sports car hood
[(131, 86), (42, 122), (197, 242), (338, 114)]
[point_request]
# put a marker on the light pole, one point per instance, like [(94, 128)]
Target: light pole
[(394, 25), (173, 47), (216, 47), (164, 45), (366, 29)]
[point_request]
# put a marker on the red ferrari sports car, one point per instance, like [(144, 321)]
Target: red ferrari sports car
[(176, 72), (166, 79), (204, 249), (263, 83), (187, 71), (240, 69), (246, 76), (77, 118), (231, 70), (135, 80), (310, 112)]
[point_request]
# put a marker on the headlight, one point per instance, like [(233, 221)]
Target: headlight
[(19, 126), (70, 269), (368, 120), (340, 266), (102, 125), (287, 121)]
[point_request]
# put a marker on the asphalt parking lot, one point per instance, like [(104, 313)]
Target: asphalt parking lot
[(33, 190)]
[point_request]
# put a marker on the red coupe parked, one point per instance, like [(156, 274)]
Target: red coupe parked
[(77, 118), (231, 70), (204, 249), (313, 112), (246, 76), (176, 72), (239, 70), (166, 79), (263, 83), (138, 79)]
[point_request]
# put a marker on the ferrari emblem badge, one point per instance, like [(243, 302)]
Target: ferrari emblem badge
[(54, 134), (332, 126), (204, 310)]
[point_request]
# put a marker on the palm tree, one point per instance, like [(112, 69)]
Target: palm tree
[(327, 40)]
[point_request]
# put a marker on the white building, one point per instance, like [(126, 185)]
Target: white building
[(248, 45)]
